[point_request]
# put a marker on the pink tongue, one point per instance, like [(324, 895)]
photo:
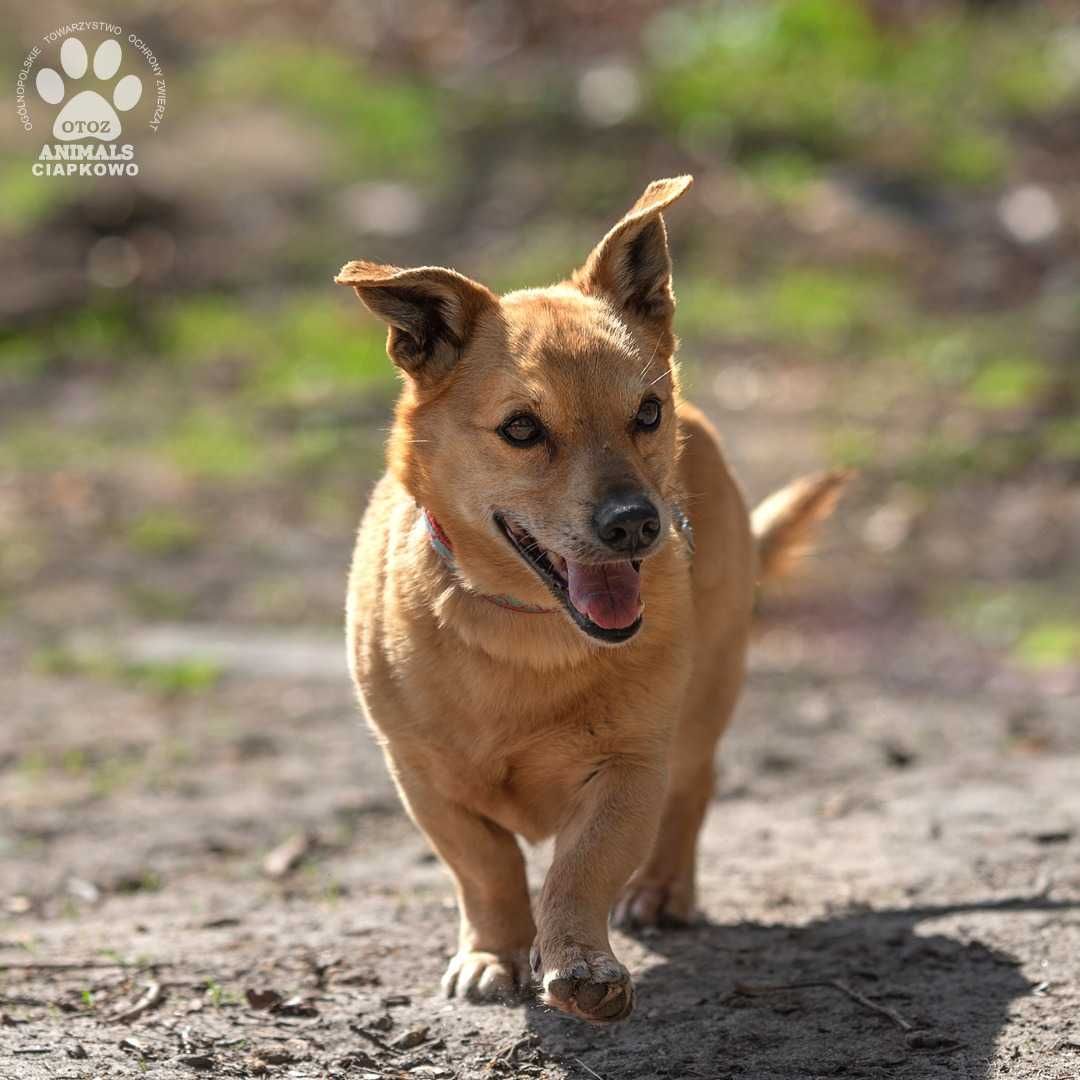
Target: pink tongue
[(609, 594)]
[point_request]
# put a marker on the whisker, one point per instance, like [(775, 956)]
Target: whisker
[(656, 349)]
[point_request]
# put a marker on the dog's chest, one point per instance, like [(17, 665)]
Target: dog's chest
[(522, 771)]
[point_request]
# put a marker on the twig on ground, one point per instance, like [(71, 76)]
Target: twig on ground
[(835, 984), (591, 1072), (285, 858), (510, 1051), (371, 1038), (152, 997)]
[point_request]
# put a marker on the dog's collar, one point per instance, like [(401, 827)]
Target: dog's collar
[(445, 550)]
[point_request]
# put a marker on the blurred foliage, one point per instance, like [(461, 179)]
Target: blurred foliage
[(821, 308), (166, 679), (854, 162), (164, 532), (24, 198), (821, 75), (1038, 623), (403, 136), (307, 348)]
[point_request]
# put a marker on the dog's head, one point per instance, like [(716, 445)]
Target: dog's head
[(540, 426)]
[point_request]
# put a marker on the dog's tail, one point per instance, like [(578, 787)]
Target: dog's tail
[(784, 522)]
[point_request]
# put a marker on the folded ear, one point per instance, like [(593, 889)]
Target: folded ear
[(631, 266), (430, 311)]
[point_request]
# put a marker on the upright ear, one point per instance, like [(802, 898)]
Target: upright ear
[(631, 266), (430, 311)]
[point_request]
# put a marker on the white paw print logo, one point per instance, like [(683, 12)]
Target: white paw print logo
[(88, 114)]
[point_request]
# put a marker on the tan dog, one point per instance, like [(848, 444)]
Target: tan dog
[(550, 602)]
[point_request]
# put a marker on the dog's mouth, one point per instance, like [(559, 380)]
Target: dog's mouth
[(603, 599)]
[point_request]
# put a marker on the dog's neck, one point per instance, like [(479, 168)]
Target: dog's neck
[(440, 542)]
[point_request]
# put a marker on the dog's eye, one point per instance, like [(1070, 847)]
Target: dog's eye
[(648, 415), (522, 430)]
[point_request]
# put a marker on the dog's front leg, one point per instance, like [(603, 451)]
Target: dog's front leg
[(609, 830), (492, 961)]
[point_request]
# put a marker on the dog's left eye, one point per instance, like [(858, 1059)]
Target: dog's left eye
[(522, 430), (648, 415)]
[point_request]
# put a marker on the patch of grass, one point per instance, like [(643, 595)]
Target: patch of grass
[(22, 355), (105, 770), (312, 449), (826, 309), (969, 158), (164, 532), (1050, 643), (100, 333), (547, 254), (219, 996), (943, 459), (823, 77), (385, 127), (783, 174), (322, 348), (166, 679), (949, 355), (74, 760), (1038, 624), (852, 448), (310, 349), (748, 68), (1061, 440), (213, 444), (1008, 382), (33, 765), (205, 328), (27, 200), (32, 446), (175, 679)]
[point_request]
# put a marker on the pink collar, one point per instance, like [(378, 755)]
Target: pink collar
[(445, 550)]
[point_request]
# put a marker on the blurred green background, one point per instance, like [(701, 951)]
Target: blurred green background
[(879, 266)]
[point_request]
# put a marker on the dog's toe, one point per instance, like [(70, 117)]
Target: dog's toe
[(486, 976), (595, 988), (643, 904)]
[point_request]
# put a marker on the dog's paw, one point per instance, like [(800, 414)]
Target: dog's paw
[(588, 984), (643, 903), (486, 976)]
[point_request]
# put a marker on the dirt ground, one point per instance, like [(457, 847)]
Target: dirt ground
[(890, 877), (204, 870)]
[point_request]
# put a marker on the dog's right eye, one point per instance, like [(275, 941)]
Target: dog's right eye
[(521, 429)]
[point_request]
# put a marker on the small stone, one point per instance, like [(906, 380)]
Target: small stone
[(201, 1062), (381, 1023), (409, 1039), (263, 1000), (297, 1006)]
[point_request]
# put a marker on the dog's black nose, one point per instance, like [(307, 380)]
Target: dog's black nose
[(628, 524)]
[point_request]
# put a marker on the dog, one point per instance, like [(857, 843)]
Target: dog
[(550, 601)]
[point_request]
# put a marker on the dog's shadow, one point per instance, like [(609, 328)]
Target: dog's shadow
[(722, 1002)]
